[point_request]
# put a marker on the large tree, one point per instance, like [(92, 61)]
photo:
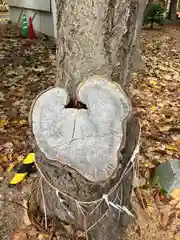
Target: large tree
[(95, 38), (148, 5), (173, 10)]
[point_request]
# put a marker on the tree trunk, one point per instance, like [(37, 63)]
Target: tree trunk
[(152, 24), (173, 10), (95, 37), (148, 5)]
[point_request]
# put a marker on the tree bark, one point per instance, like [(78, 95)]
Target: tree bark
[(100, 221), (95, 37), (148, 5), (173, 10)]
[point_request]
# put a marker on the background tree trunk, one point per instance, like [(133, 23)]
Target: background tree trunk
[(148, 5), (173, 10), (94, 37)]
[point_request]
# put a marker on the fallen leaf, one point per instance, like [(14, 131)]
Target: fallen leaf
[(170, 147), (39, 69), (19, 236), (153, 81), (150, 209), (20, 158), (23, 122), (43, 236), (175, 194), (10, 168), (153, 108), (4, 159), (165, 128), (8, 145), (149, 164), (3, 123)]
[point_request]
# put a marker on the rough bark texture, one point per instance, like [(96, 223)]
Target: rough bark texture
[(97, 37), (148, 5), (172, 10), (70, 182), (94, 37)]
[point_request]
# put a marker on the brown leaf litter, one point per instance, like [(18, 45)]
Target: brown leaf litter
[(26, 68), (156, 100)]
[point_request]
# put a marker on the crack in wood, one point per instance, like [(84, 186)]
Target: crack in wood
[(109, 25)]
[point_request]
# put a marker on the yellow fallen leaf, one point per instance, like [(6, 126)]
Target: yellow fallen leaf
[(14, 122), (149, 165), (10, 168), (150, 209), (170, 147), (153, 108), (43, 236), (134, 74), (23, 122), (3, 123), (176, 194), (153, 81), (4, 159)]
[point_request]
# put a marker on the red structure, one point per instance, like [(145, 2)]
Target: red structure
[(31, 32)]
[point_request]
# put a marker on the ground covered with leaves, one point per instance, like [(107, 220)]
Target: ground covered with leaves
[(156, 100), (28, 67), (3, 6)]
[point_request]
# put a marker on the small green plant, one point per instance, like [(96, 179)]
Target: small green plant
[(155, 14)]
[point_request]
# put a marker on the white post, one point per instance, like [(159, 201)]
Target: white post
[(54, 13)]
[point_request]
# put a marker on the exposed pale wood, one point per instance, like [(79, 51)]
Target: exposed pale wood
[(72, 183), (88, 140)]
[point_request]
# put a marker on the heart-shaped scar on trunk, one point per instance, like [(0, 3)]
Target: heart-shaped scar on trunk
[(88, 139)]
